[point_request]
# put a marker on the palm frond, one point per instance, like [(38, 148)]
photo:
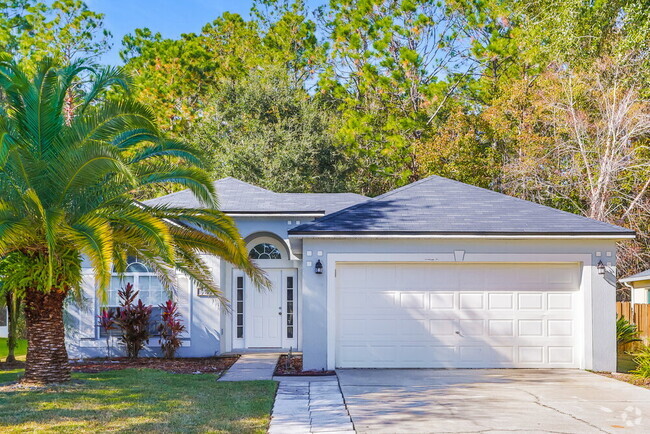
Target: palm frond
[(92, 236), (197, 180), (105, 79), (67, 183)]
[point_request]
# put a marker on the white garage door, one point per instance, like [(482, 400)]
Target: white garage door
[(458, 315)]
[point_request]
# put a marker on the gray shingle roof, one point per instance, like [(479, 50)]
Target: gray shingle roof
[(644, 275), (237, 196), (437, 205)]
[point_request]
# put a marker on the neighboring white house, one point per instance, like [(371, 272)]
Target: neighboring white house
[(639, 285), (434, 274), (4, 324)]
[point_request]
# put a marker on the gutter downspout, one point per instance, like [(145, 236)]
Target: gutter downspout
[(631, 294)]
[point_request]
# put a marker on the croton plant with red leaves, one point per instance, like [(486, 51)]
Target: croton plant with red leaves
[(170, 329)]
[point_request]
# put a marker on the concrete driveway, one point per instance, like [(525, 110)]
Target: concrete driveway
[(492, 400)]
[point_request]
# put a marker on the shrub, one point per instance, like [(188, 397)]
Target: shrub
[(626, 332), (133, 319), (642, 360), (170, 329), (107, 323)]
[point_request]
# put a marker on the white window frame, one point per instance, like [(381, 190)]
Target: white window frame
[(123, 277)]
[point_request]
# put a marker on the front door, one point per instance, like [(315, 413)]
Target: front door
[(265, 313), (265, 318)]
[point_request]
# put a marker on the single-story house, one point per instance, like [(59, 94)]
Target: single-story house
[(436, 274), (639, 285), (4, 322)]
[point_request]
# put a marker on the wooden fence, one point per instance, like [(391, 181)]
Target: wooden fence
[(638, 314)]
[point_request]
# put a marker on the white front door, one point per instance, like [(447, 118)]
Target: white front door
[(265, 313), (265, 318)]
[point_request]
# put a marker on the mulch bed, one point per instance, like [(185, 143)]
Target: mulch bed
[(628, 378), (4, 366), (294, 368), (203, 365)]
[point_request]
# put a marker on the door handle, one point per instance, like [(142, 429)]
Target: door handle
[(459, 333)]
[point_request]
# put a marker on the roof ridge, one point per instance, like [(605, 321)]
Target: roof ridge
[(239, 181), (407, 186), (487, 190), (371, 199), (489, 195), (349, 193)]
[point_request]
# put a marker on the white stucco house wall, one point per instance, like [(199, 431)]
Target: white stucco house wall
[(4, 322), (434, 274)]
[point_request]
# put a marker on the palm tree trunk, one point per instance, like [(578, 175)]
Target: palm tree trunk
[(13, 311), (47, 358)]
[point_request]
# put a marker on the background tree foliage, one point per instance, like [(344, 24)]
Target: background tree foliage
[(545, 100), (266, 130), (63, 30)]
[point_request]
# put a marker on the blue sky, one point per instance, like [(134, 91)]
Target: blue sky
[(169, 17)]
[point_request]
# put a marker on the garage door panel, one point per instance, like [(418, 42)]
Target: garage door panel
[(560, 301), (381, 328), (381, 278), (442, 323), (560, 327), (531, 301), (561, 355), (501, 301), (411, 328), (352, 276), (501, 328), (470, 301), (531, 327), (443, 327), (471, 354), (413, 300), (531, 354), (442, 300), (471, 327)]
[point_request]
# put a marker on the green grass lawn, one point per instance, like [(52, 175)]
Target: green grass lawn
[(20, 352), (138, 400)]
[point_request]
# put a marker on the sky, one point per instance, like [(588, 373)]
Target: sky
[(169, 17)]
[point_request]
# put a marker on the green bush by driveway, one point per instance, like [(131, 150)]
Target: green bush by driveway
[(138, 400)]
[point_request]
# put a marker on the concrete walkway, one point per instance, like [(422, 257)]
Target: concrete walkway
[(309, 405), (253, 366)]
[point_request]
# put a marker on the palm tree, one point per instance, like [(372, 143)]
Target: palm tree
[(66, 189)]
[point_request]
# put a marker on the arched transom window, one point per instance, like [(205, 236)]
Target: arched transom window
[(265, 251)]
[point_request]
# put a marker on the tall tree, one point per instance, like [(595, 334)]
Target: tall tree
[(175, 76), (65, 30), (66, 189), (584, 145), (179, 76), (392, 66), (266, 130)]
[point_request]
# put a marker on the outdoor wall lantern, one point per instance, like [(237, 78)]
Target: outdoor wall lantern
[(319, 267), (601, 268)]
